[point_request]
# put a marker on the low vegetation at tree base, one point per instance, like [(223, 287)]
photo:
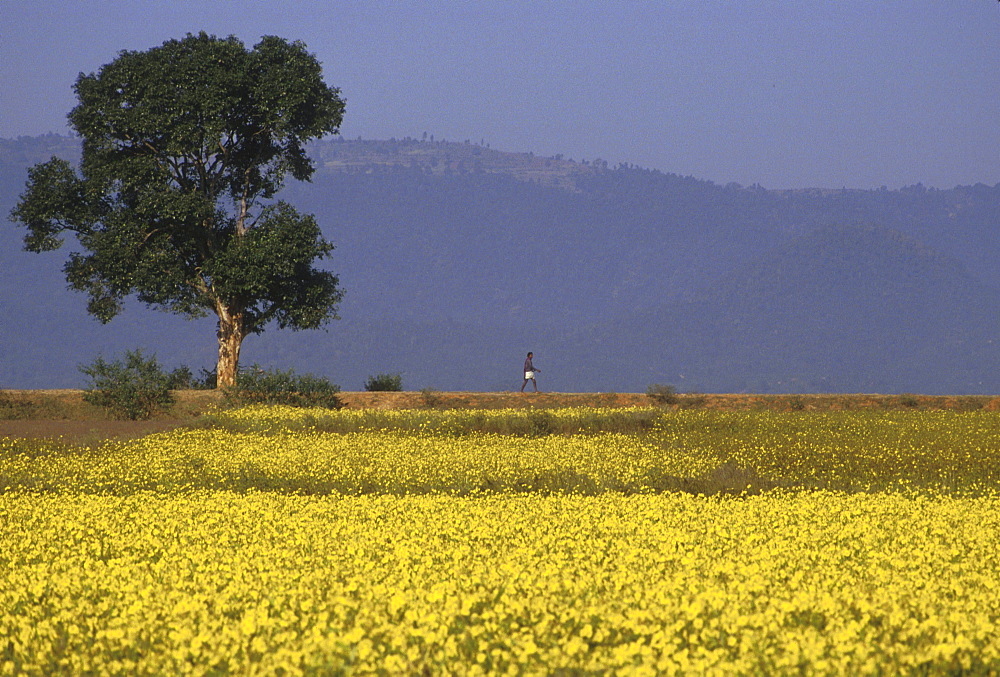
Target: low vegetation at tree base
[(305, 541), (257, 385), (182, 378), (134, 387)]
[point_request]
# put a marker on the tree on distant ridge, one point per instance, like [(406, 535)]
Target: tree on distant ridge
[(184, 148)]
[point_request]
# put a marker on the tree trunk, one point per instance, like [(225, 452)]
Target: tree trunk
[(232, 331)]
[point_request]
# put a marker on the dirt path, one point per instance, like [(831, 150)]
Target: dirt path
[(84, 432)]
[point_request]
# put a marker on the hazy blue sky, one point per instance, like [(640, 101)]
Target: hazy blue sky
[(796, 93)]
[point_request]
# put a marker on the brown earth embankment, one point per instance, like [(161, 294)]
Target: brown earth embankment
[(63, 413)]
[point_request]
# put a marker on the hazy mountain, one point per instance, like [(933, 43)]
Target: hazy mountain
[(837, 309), (457, 259)]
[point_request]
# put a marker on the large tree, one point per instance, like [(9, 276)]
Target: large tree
[(184, 148)]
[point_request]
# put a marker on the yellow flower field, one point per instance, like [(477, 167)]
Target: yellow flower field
[(293, 550)]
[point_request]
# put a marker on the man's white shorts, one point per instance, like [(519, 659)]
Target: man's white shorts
[(529, 375)]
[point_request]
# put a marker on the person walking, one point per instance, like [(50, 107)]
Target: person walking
[(529, 373)]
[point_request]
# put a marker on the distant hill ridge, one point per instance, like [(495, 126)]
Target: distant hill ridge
[(442, 157), (365, 155), (25, 151), (458, 258)]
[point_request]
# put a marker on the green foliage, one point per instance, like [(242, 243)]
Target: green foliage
[(272, 265), (273, 386), (182, 378), (384, 383), (134, 388), (209, 380), (662, 394), (184, 148)]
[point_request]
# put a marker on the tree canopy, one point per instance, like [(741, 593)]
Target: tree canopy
[(185, 147)]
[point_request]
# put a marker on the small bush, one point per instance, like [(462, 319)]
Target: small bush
[(431, 397), (265, 386), (692, 400), (182, 378), (134, 388), (384, 383), (208, 380), (662, 394)]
